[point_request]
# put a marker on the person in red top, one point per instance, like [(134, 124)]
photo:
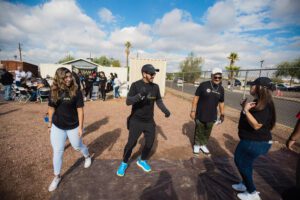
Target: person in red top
[(291, 141)]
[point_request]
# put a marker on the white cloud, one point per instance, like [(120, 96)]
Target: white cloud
[(106, 16), (56, 28)]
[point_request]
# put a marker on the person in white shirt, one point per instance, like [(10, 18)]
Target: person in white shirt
[(116, 85), (19, 74)]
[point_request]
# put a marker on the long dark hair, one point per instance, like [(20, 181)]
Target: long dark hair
[(59, 84), (264, 98)]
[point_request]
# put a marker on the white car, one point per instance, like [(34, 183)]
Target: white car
[(179, 83)]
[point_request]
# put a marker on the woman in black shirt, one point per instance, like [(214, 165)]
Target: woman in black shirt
[(256, 122), (103, 81), (65, 109)]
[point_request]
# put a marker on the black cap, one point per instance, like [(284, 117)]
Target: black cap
[(149, 69), (263, 81)]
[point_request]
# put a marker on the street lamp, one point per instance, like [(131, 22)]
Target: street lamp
[(261, 63)]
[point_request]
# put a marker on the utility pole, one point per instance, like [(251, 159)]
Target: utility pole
[(261, 63), (20, 51)]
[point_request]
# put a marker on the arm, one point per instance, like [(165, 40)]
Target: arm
[(162, 107), (194, 107), (50, 114), (294, 136), (80, 119), (221, 108), (251, 120), (130, 100), (134, 96)]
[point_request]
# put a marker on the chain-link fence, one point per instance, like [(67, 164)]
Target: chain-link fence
[(236, 81)]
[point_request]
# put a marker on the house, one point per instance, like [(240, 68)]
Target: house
[(12, 65)]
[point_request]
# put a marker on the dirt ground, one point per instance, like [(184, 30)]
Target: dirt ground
[(26, 154)]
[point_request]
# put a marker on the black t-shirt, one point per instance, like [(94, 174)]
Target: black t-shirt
[(144, 110), (102, 81), (210, 95), (89, 82), (263, 117), (7, 78), (65, 115)]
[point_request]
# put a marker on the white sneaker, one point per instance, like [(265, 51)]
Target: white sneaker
[(249, 196), (204, 149), (87, 162), (54, 184), (240, 187), (84, 98), (196, 149)]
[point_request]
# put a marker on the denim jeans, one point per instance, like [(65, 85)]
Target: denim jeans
[(116, 92), (7, 92), (58, 139), (245, 154)]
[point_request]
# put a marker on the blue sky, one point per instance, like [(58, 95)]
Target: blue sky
[(162, 29)]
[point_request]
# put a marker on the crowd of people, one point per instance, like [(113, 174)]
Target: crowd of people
[(88, 83), (97, 82), (23, 83)]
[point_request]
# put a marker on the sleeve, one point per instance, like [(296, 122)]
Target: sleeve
[(133, 96), (79, 99), (50, 102), (158, 96), (199, 89), (222, 95)]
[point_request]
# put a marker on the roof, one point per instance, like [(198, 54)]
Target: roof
[(71, 61)]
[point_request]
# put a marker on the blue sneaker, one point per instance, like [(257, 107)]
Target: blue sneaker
[(144, 165), (122, 169)]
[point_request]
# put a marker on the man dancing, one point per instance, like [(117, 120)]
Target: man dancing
[(142, 95)]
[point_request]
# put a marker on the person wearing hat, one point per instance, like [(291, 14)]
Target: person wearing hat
[(257, 119), (142, 95), (208, 97)]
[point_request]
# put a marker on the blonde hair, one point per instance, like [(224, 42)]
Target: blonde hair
[(59, 85)]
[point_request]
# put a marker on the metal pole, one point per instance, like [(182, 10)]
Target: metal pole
[(182, 84), (20, 51), (244, 93), (261, 63)]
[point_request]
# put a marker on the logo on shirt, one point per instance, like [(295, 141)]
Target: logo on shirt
[(208, 90)]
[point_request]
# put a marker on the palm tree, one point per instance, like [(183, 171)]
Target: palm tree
[(233, 70), (127, 51)]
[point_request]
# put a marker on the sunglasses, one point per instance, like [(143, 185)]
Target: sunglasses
[(151, 74), (217, 77)]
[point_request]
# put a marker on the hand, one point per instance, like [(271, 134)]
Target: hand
[(243, 102), (143, 91), (167, 114), (249, 105), (80, 132), (290, 143), (193, 115), (222, 118)]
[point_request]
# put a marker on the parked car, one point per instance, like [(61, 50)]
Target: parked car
[(295, 88), (179, 83), (282, 87), (237, 82)]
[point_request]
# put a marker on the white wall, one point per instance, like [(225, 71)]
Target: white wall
[(50, 69), (136, 67)]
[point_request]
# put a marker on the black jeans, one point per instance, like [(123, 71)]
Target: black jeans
[(135, 130), (103, 92)]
